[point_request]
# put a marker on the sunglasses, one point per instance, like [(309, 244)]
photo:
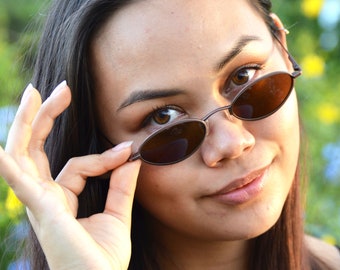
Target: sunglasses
[(257, 100)]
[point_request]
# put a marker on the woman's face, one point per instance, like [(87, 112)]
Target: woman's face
[(167, 55)]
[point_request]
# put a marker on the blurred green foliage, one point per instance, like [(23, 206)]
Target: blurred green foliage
[(314, 27), (15, 44)]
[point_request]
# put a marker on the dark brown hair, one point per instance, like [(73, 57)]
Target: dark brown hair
[(64, 54)]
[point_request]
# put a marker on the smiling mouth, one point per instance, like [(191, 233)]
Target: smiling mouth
[(243, 189)]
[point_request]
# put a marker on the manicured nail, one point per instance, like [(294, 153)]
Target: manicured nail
[(27, 91), (122, 146), (58, 88)]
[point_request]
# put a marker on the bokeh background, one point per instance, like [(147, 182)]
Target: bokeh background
[(314, 27)]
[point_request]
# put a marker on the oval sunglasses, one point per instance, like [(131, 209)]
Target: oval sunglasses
[(255, 101)]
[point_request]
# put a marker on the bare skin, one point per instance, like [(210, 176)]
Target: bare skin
[(327, 253), (194, 229), (65, 240)]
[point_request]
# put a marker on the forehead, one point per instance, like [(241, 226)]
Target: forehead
[(168, 25), (144, 18), (158, 44)]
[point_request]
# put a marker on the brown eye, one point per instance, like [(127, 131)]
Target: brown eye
[(162, 116), (239, 79), (242, 77)]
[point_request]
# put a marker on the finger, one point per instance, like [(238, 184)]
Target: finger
[(22, 184), (43, 123), (77, 170), (53, 106), (20, 132), (121, 191)]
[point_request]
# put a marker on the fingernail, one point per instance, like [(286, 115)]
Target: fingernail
[(58, 88), (26, 93), (122, 146)]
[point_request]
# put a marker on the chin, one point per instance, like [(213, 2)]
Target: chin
[(251, 225)]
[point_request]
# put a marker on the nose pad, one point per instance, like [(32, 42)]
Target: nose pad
[(225, 140), (221, 110), (229, 116)]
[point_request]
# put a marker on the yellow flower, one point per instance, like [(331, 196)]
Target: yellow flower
[(328, 113), (311, 8), (12, 204), (313, 66), (329, 239)]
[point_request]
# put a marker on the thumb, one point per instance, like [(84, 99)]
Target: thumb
[(121, 191)]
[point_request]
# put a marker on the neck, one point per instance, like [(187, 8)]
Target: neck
[(175, 251)]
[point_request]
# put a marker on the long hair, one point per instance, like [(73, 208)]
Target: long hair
[(64, 54)]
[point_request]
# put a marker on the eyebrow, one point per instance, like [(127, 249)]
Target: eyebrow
[(236, 50), (143, 95), (149, 94)]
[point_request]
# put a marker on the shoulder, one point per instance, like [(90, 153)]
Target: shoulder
[(329, 254)]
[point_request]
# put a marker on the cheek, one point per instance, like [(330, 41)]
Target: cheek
[(283, 128), (166, 192), (290, 136), (157, 183), (287, 128), (283, 132)]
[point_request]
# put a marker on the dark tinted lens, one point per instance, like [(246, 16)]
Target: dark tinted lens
[(264, 97), (173, 144)]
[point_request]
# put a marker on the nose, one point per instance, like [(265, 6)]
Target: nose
[(227, 139)]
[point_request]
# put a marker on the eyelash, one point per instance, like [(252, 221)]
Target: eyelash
[(147, 120), (228, 81), (249, 66)]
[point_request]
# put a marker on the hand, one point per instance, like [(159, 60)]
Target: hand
[(101, 241)]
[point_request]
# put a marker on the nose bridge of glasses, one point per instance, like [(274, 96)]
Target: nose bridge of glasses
[(226, 109)]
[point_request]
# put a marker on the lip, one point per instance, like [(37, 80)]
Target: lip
[(243, 189)]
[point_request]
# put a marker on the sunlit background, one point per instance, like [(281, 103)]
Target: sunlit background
[(314, 27)]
